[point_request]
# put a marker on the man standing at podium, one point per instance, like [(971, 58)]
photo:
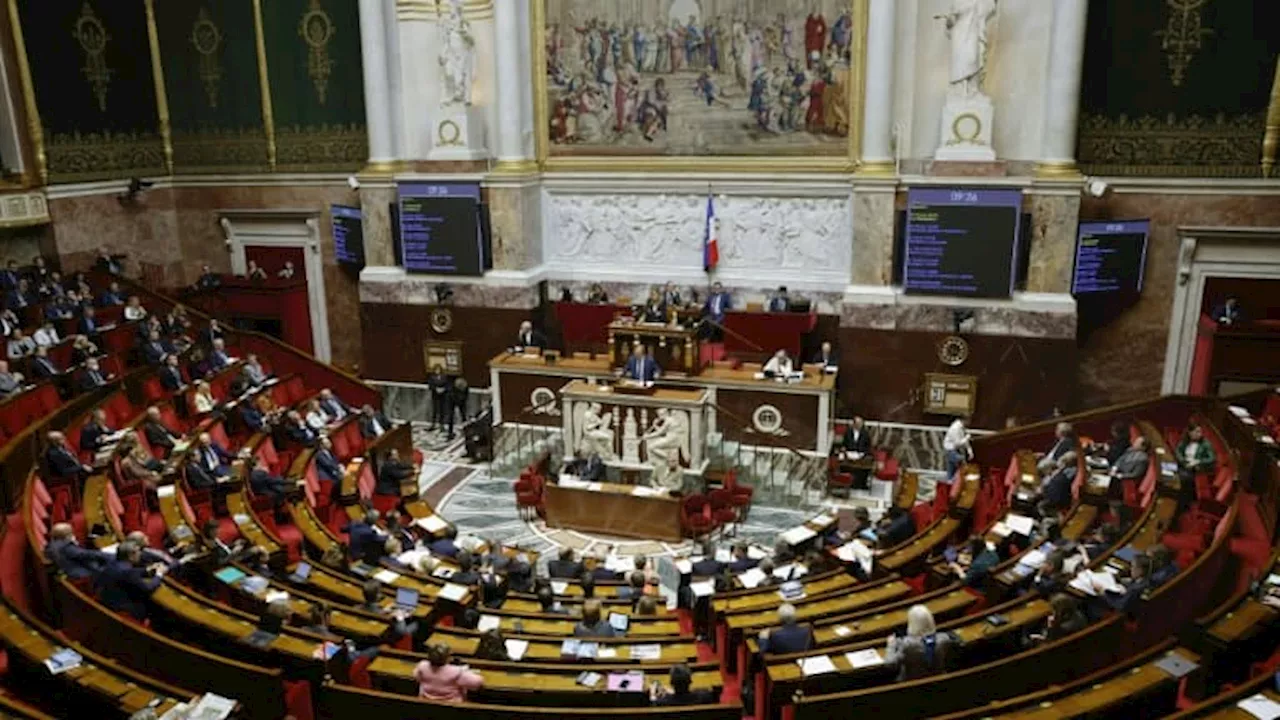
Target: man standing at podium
[(529, 337), (779, 302), (641, 366), (718, 303)]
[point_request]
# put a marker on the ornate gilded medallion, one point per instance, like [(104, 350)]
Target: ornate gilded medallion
[(207, 39), (92, 36), (441, 320), (1182, 36), (316, 29), (953, 350)]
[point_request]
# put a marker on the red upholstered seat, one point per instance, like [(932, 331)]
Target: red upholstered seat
[(839, 483), (742, 494), (695, 515), (528, 496)]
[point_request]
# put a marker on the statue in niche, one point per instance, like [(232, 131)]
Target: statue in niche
[(457, 55), (667, 438), (967, 23), (597, 432), (630, 439)]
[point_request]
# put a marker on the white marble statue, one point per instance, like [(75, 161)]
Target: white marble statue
[(967, 23), (457, 55), (597, 432), (667, 439), (630, 439)]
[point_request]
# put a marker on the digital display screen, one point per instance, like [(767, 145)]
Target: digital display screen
[(348, 234), (440, 228), (961, 241), (1110, 256)]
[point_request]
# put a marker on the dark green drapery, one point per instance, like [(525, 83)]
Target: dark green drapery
[(1177, 90), (209, 53), (317, 88), (91, 73)]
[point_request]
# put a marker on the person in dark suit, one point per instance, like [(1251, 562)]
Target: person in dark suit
[(297, 430), (42, 368), (218, 357), (19, 296), (459, 391), (1064, 441), (527, 337), (547, 603), (111, 296), (332, 407), (439, 384), (124, 586), (108, 263), (634, 589), (1227, 312), (592, 625), (826, 356), (222, 552), (93, 434), (641, 366), (373, 423), (60, 460), (445, 546), (210, 462), (593, 468), (856, 439), (601, 573), (596, 295), (708, 566), (253, 418), (1055, 492), (789, 637), (565, 567), (654, 310), (718, 303), (262, 482), (742, 560), (896, 527), (10, 382), (9, 277), (92, 376), (680, 679), (88, 325), (975, 563), (1116, 446), (1133, 464), (154, 351), (208, 280), (392, 473), (157, 434), (671, 297), (466, 574), (213, 332), (82, 349), (363, 538), (327, 465), (779, 301), (66, 554)]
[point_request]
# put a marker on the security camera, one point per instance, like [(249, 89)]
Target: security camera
[(1095, 187), (352, 182)]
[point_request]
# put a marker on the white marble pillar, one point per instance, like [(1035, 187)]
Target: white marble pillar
[(512, 74), (395, 90), (877, 114), (373, 19), (1062, 89)]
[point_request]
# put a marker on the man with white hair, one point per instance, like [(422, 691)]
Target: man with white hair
[(528, 337), (10, 383), (1064, 441), (93, 376), (790, 637)]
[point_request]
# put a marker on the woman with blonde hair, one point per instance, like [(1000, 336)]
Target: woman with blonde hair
[(923, 651), (203, 399)]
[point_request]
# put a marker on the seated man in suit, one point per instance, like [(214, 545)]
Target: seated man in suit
[(592, 625), (779, 301), (856, 439), (547, 603), (1132, 465), (60, 460), (111, 296), (1064, 440), (333, 407), (42, 368), (20, 345), (708, 566), (779, 365), (392, 473), (373, 423), (641, 366), (154, 350), (363, 537), (171, 374), (565, 567), (1055, 492), (92, 376), (124, 586), (1228, 312), (19, 297), (593, 468), (253, 370), (742, 560), (210, 460), (327, 465), (826, 356), (654, 309), (157, 434), (88, 325), (671, 297), (679, 695), (974, 562), (95, 432), (527, 337), (895, 528), (108, 263), (10, 382), (262, 482), (218, 357), (789, 637), (72, 560), (445, 546), (297, 430), (10, 276)]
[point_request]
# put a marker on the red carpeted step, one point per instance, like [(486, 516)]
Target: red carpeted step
[(13, 562), (292, 539)]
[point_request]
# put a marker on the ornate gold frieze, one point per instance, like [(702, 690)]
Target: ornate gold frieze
[(316, 29), (1189, 146), (92, 36), (220, 151), (207, 40), (1182, 36), (326, 148), (89, 156)]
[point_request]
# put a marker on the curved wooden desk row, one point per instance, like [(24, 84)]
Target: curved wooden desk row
[(1239, 631)]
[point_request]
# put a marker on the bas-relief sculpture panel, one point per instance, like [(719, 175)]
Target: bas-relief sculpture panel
[(770, 238), (701, 77)]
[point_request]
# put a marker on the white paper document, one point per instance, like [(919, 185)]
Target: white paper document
[(620, 563), (702, 589), (823, 520), (864, 658), (453, 592), (1033, 559), (646, 491), (755, 552), (387, 577), (1001, 529), (165, 491), (684, 566), (723, 555), (842, 631), (797, 535), (1020, 524), (646, 652), (1260, 706), (516, 648), (752, 578), (816, 665), (559, 587), (488, 622), (1238, 411), (431, 523)]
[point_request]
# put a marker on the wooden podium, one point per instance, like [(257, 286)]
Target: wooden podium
[(674, 347)]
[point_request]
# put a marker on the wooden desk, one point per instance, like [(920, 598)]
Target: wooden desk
[(843, 605), (674, 347), (547, 650), (613, 510)]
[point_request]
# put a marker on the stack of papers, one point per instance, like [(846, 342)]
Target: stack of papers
[(723, 555), (1260, 706), (570, 481), (823, 520), (62, 660), (816, 665), (752, 578), (646, 652), (431, 523), (1033, 559), (755, 552), (569, 648), (453, 592), (165, 491), (212, 707), (274, 595), (488, 622), (646, 491), (702, 589), (620, 564), (516, 648), (387, 577), (797, 535), (590, 679), (1020, 524), (587, 650), (254, 584), (864, 658), (606, 653), (1091, 582), (1001, 530)]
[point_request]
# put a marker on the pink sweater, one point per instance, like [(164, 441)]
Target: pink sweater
[(447, 682)]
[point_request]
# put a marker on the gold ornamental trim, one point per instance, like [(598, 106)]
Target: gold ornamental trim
[(157, 76), (1182, 36), (1271, 133), (35, 131), (849, 162), (448, 133), (206, 38), (1190, 146), (264, 84), (92, 36), (316, 29)]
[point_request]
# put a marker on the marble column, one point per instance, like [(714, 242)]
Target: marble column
[(1062, 89), (877, 112), (373, 24), (1055, 212), (512, 74), (515, 220), (376, 197), (395, 89)]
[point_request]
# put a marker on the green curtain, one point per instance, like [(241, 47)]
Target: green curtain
[(209, 52), (91, 72), (1177, 88), (317, 86)]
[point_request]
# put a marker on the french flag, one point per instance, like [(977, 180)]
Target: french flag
[(711, 238)]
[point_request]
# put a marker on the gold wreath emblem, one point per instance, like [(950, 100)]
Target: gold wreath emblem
[(962, 134), (953, 350), (448, 133), (441, 320)]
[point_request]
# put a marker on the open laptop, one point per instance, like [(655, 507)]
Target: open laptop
[(300, 573), (406, 599)]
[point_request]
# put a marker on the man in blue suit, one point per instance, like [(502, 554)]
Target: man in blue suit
[(718, 302), (76, 562), (446, 546), (124, 586), (209, 461), (327, 465), (742, 560), (88, 325), (363, 539), (790, 637), (641, 365), (779, 302), (10, 277)]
